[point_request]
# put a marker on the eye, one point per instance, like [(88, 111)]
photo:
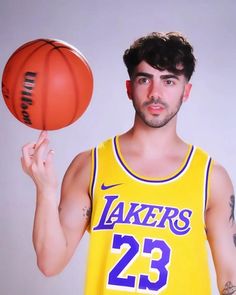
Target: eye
[(143, 81), (169, 82)]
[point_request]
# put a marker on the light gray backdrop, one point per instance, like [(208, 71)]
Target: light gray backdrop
[(102, 29)]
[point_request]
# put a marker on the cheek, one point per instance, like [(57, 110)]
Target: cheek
[(176, 93), (140, 90), (137, 97)]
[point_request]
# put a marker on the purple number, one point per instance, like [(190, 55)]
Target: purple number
[(158, 265), (118, 242), (115, 279)]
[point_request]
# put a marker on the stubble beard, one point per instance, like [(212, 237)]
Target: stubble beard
[(155, 121)]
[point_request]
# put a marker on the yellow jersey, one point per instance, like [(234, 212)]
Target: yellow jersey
[(147, 236)]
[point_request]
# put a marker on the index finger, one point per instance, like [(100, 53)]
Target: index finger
[(43, 135)]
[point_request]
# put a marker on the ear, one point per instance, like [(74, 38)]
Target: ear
[(187, 91), (129, 88)]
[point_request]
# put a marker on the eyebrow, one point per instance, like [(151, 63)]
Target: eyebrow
[(143, 74), (169, 76), (163, 77)]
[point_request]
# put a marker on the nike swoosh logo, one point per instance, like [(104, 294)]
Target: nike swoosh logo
[(105, 187)]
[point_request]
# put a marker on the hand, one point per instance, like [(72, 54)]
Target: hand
[(37, 162)]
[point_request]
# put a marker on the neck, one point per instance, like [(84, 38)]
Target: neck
[(164, 139)]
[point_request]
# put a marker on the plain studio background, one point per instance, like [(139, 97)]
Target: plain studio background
[(102, 30)]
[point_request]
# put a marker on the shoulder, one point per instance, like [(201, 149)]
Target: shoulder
[(79, 169), (219, 176), (221, 186), (82, 160)]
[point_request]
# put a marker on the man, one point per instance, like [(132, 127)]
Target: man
[(149, 200)]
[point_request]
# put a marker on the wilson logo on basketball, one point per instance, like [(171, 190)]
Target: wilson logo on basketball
[(26, 98)]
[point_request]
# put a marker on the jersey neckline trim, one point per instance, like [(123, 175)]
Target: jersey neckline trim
[(121, 161)]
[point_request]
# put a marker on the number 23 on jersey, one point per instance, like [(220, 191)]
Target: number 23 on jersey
[(129, 250)]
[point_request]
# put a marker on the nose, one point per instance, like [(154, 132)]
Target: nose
[(155, 90)]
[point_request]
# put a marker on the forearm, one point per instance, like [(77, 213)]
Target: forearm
[(229, 288), (48, 237), (226, 266)]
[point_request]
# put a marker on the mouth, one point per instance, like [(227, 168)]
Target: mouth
[(155, 109)]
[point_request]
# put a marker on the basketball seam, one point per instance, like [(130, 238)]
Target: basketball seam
[(76, 87)]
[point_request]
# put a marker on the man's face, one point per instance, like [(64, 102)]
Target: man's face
[(157, 95)]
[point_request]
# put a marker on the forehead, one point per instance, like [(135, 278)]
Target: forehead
[(144, 67)]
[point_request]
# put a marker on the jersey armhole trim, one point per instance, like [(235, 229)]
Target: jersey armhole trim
[(207, 182), (93, 176)]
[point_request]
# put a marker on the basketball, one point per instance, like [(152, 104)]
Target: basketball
[(47, 84)]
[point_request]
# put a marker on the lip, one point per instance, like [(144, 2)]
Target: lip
[(155, 108)]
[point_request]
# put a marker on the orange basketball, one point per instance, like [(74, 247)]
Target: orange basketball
[(47, 84)]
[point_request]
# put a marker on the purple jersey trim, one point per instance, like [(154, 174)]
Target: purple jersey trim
[(207, 181), (94, 171), (150, 180)]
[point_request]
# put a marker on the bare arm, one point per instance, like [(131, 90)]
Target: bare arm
[(221, 229), (56, 231)]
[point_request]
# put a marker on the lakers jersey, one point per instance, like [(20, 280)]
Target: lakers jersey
[(147, 235)]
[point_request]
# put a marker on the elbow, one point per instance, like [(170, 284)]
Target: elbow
[(49, 262), (48, 270)]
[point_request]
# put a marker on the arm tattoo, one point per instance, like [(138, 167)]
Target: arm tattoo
[(234, 237), (229, 289), (232, 205), (87, 212)]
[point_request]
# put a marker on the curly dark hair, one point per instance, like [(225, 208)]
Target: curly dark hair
[(164, 51)]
